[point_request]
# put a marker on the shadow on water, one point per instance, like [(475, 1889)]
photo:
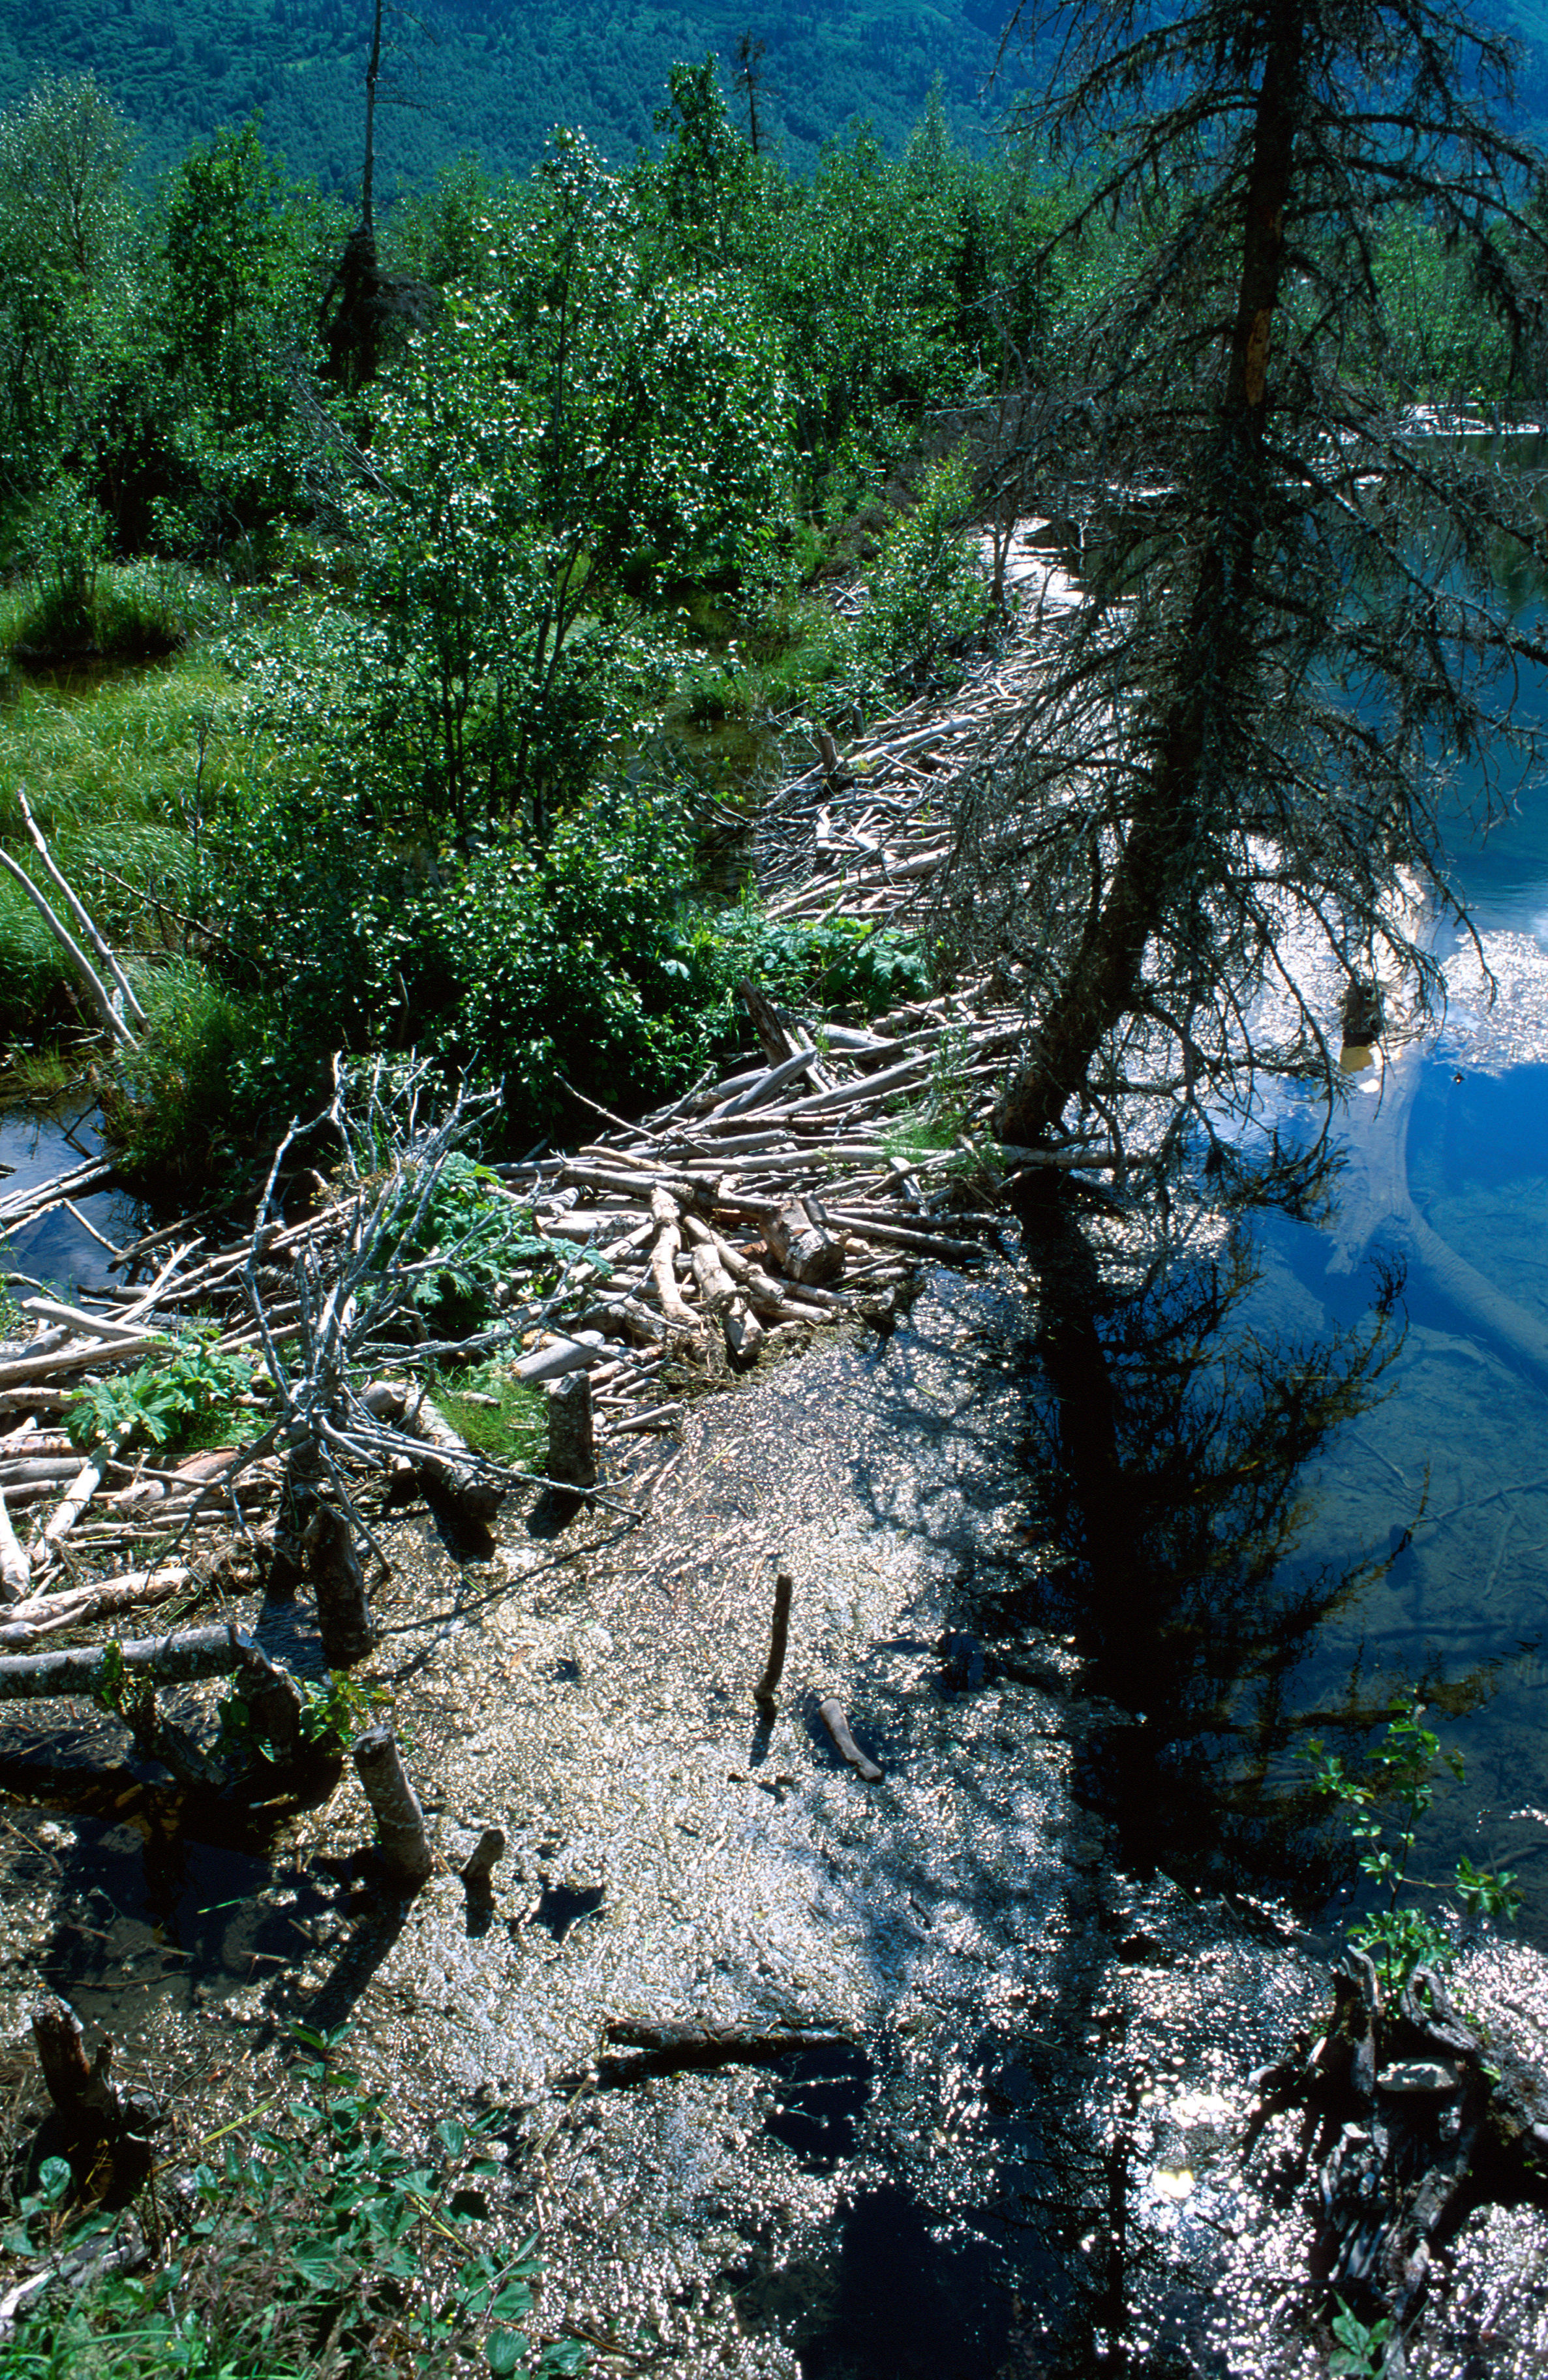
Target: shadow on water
[(1167, 1440), (1165, 1436)]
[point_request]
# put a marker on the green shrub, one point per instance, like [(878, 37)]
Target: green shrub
[(318, 2245), (171, 1106), (929, 599)]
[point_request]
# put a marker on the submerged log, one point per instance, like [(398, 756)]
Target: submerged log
[(831, 1713), (649, 2050)]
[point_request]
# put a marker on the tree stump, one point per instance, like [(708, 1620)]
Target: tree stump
[(572, 1444), (400, 1822), (344, 1615)]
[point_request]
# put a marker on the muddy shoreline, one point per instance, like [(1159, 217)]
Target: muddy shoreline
[(1019, 2155)]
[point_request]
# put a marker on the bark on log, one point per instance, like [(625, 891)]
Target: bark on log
[(489, 1849), (561, 1355), (40, 1615), (73, 952), (15, 1571), (449, 1463), (800, 1246), (768, 1085), (81, 915), (160, 1660), (78, 2089), (84, 1485), (272, 1698), (643, 2052), (344, 1614), (722, 1297), (572, 1441), (400, 1822), (830, 1710), (667, 1216), (78, 1324), (768, 1023)]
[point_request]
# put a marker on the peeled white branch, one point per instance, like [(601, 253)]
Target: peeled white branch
[(73, 952)]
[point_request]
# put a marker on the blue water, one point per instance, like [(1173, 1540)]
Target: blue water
[(1449, 1476), (56, 1249)]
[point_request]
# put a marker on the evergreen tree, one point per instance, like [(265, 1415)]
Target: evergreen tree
[(1289, 631)]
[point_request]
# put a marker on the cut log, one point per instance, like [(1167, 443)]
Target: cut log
[(159, 1660), (572, 1441), (81, 915), (400, 1822), (108, 1007), (767, 1085), (449, 1464), (489, 1850), (642, 2052), (561, 1355), (83, 1487), (768, 1023), (15, 1571), (78, 1324), (272, 1699), (78, 2088), (42, 1615), (800, 1246), (667, 1218), (723, 1298)]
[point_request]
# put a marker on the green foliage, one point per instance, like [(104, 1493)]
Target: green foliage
[(1362, 2348), (1400, 1937), (166, 1104), (332, 1714), (61, 546), (162, 1400), (64, 151), (318, 2245), (498, 1416), (929, 598), (469, 1237)]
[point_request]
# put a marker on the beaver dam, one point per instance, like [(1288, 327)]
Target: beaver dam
[(683, 1722)]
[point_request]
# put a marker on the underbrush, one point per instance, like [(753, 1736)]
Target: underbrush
[(497, 1416), (311, 2242)]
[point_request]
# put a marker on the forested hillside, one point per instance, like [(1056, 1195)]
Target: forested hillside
[(463, 75)]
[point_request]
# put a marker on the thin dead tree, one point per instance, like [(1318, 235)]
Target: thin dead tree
[(1239, 750)]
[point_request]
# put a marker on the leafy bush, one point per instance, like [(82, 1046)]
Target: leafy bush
[(167, 1105), (929, 599), (317, 2246), (1399, 1935), (164, 1399)]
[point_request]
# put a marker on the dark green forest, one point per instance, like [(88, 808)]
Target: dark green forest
[(385, 600), (463, 77)]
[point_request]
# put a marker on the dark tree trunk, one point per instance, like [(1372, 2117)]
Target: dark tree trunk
[(1165, 844)]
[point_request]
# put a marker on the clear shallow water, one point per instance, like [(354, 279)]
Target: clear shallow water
[(56, 1249), (1447, 1481)]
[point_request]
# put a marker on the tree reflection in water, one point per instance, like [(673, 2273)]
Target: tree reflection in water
[(1168, 1442)]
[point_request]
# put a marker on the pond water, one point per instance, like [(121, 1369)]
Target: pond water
[(58, 1249), (1446, 1482)]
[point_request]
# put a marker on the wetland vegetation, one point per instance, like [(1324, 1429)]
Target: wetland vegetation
[(377, 583)]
